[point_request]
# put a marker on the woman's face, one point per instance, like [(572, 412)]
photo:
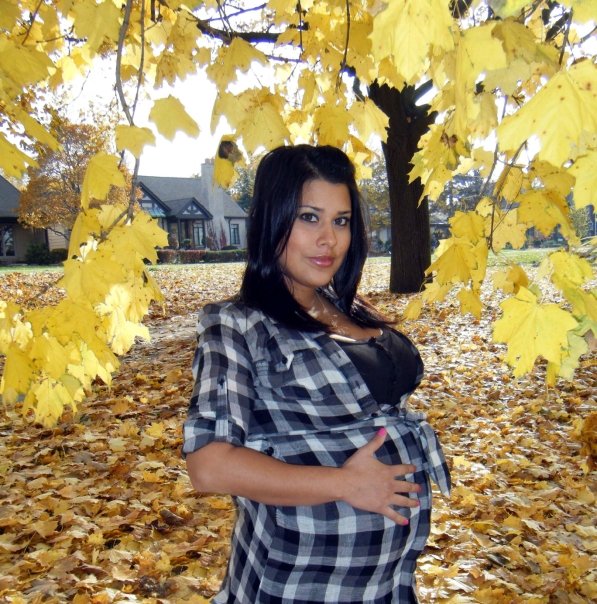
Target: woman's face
[(319, 239)]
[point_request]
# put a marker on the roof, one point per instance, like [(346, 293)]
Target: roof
[(171, 188), (188, 208), (9, 199)]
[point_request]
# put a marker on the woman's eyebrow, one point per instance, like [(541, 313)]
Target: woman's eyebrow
[(316, 209)]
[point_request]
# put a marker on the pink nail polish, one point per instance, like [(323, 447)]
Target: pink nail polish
[(382, 432), (405, 522)]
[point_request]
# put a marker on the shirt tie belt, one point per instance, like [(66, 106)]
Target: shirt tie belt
[(432, 449)]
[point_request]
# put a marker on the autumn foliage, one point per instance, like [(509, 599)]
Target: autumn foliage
[(53, 194), (513, 85), (100, 509)]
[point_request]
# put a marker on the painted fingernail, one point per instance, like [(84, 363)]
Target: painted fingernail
[(404, 522), (382, 432)]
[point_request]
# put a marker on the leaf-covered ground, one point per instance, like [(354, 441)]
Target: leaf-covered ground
[(99, 509)]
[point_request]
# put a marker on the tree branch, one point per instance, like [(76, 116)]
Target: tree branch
[(566, 34), (121, 36), (345, 55), (32, 21)]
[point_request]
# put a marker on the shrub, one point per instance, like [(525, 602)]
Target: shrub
[(38, 253), (225, 255), (167, 256), (191, 256), (58, 255)]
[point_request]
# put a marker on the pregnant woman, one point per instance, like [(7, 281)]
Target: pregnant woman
[(299, 406)]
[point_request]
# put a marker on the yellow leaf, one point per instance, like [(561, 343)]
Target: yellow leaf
[(572, 94), (412, 310), (470, 302), (458, 261), (436, 292), (584, 10), (238, 56), (12, 160), (531, 329), (101, 174), (585, 187), (507, 229), (564, 267), (511, 279), (331, 122), (478, 51), (264, 125), (155, 430), (169, 116), (23, 65), (407, 31), (96, 21), (468, 225), (369, 120), (545, 209), (133, 138)]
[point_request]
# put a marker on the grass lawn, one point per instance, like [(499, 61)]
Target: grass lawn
[(505, 257)]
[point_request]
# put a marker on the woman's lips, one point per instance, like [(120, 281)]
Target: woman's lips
[(322, 261)]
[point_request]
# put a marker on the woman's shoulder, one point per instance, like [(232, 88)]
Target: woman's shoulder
[(233, 313)]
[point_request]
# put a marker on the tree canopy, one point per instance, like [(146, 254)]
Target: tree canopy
[(52, 196), (511, 85)]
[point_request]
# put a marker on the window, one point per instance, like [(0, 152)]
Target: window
[(7, 245), (234, 234), (198, 233)]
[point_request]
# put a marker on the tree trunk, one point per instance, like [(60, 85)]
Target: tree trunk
[(411, 249)]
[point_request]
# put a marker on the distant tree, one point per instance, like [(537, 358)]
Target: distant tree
[(376, 195), (461, 193), (242, 189), (53, 193)]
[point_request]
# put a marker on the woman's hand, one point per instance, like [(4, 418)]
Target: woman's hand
[(373, 486)]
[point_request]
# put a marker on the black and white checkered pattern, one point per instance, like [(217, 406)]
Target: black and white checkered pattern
[(297, 397)]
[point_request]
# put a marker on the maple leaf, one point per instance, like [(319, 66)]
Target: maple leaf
[(511, 279), (238, 56), (546, 209), (531, 329), (406, 31), (264, 125), (571, 93), (102, 173), (369, 120), (585, 187), (470, 302), (133, 138), (170, 116)]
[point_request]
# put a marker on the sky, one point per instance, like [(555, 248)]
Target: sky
[(184, 155)]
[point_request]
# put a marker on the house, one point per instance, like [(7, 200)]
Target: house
[(195, 212), (15, 239)]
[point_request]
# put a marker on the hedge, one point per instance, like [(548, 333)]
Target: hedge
[(168, 256)]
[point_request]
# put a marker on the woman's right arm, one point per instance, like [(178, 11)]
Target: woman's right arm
[(363, 482)]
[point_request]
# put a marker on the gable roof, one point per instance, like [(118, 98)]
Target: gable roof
[(188, 208), (171, 188), (9, 199)]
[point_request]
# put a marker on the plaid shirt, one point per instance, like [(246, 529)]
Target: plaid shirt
[(297, 397)]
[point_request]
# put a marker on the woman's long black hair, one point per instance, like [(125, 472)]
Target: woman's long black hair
[(279, 182)]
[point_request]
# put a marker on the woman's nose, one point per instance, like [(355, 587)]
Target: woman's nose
[(327, 235)]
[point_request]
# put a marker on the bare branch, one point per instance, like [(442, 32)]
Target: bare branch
[(344, 56), (121, 36), (566, 34), (32, 21)]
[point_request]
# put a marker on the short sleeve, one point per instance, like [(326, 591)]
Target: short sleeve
[(223, 394)]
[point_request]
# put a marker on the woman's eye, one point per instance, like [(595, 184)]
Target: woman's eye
[(342, 221), (308, 217)]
